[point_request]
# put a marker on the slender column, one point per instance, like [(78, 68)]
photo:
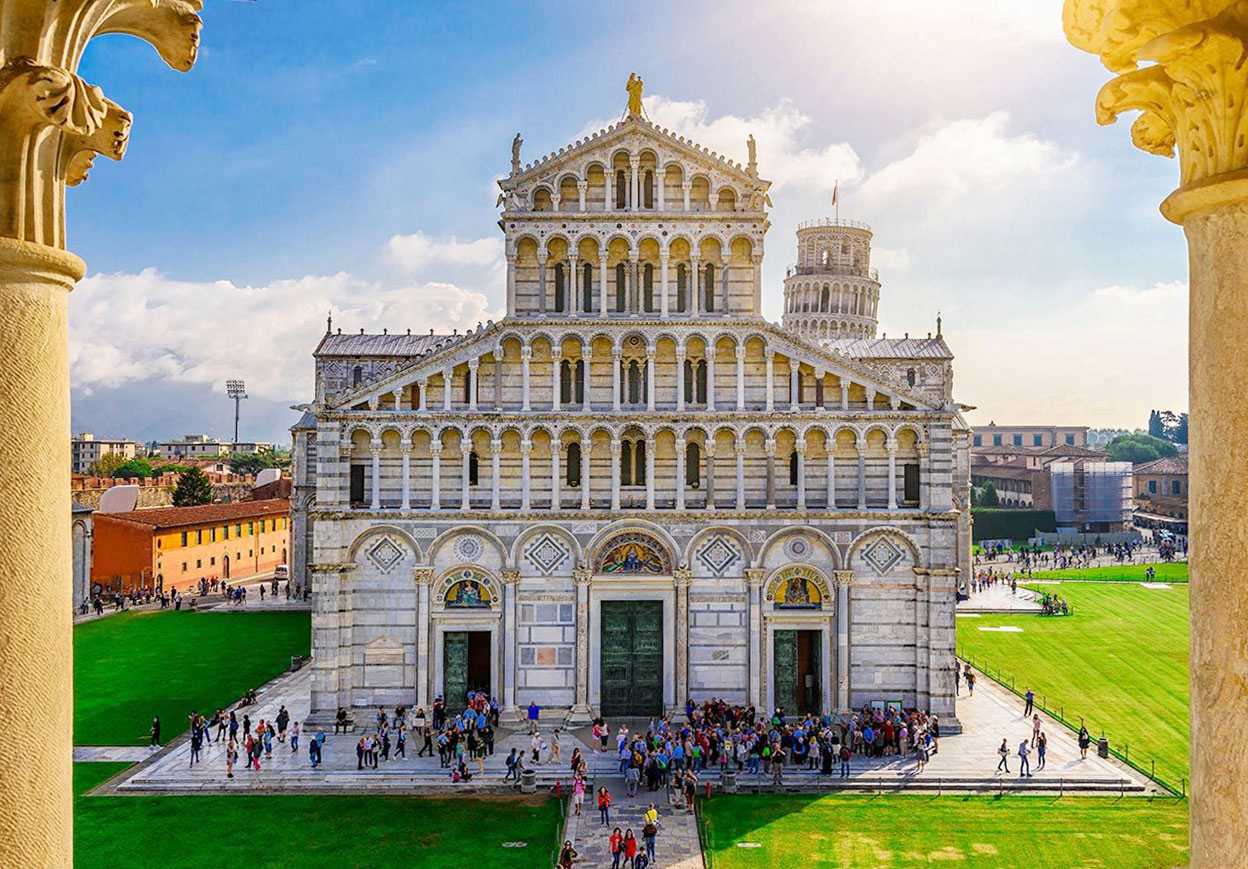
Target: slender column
[(424, 391), (526, 364), (740, 451), (695, 271), (588, 354), (663, 257), (465, 497), (435, 487), (587, 464), (925, 479), (800, 449), (602, 282), (831, 474), (820, 401), (844, 579), (710, 374), (634, 286), (581, 188), (649, 473), (616, 356), (844, 394), (376, 474), (496, 459), (555, 500), (795, 402), (682, 577), (511, 281), (498, 377), (609, 200), (574, 302), (526, 446), (754, 578), (892, 474), (423, 576), (862, 480), (448, 379), (684, 189), (398, 398), (472, 383), (581, 711), (771, 379), (723, 287), (660, 178), (511, 582), (680, 470), (710, 473), (740, 351), (405, 503), (556, 379), (615, 471), (650, 354), (541, 287), (634, 186), (770, 449), (680, 378), (757, 260)]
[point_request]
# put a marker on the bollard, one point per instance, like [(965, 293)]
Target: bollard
[(528, 781), (729, 778), (558, 788)]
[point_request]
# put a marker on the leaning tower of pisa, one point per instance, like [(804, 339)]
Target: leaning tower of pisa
[(832, 291)]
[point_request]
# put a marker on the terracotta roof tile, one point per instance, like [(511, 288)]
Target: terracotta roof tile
[(172, 517)]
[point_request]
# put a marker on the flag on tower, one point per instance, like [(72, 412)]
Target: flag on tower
[(835, 190)]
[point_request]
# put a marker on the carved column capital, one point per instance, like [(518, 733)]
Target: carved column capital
[(422, 575), (510, 575), (582, 575), (755, 575), (843, 577), (682, 576)]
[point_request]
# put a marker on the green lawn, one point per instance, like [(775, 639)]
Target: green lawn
[(1174, 572), (857, 832), (1120, 662), (285, 831), (131, 666)]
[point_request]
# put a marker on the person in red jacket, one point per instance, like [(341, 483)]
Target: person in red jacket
[(604, 806), (630, 847), (617, 848)]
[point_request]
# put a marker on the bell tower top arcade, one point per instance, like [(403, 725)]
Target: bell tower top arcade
[(832, 291)]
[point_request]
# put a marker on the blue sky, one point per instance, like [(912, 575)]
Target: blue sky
[(342, 155)]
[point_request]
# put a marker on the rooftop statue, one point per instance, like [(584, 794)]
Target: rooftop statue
[(634, 87)]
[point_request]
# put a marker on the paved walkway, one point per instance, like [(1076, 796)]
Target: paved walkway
[(999, 599), (114, 753), (676, 846)]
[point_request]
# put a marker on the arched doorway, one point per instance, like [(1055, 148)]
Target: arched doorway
[(225, 567)]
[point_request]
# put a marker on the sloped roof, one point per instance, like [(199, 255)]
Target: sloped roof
[(381, 345), (890, 348), (176, 517), (307, 422), (1176, 464)]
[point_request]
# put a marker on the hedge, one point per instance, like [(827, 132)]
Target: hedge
[(992, 523)]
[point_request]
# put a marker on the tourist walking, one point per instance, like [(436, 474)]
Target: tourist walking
[(616, 844), (231, 757), (197, 743), (970, 682), (1042, 748), (1085, 739), (1004, 752), (1035, 729), (630, 848), (1030, 696), (604, 806), (155, 731), (648, 834), (535, 712), (567, 854), (1024, 767), (578, 793), (845, 755)]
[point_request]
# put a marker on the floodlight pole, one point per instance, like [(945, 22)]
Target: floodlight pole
[(236, 390)]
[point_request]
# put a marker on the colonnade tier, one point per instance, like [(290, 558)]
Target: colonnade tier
[(830, 327), (831, 297), (631, 453), (688, 376)]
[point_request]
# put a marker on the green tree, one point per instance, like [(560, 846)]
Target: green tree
[(254, 463), (192, 490), (107, 463), (1179, 435), (989, 497), (133, 468), (1138, 448), (1155, 426)]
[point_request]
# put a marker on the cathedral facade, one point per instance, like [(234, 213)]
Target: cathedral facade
[(635, 490)]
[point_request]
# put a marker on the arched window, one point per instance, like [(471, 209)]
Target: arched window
[(693, 465), (580, 381), (801, 386), (639, 463), (620, 300), (648, 189), (634, 383), (823, 300), (793, 468), (689, 387), (468, 386), (587, 288), (357, 375), (621, 189), (709, 297), (701, 382), (574, 464), (560, 292), (682, 287), (565, 381), (911, 377), (626, 463), (648, 286), (473, 468)]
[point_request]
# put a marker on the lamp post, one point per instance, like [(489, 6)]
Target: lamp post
[(236, 390)]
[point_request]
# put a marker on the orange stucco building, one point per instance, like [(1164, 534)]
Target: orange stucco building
[(175, 547)]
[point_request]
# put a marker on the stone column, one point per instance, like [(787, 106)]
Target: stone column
[(496, 456), (511, 280), (526, 366), (588, 354), (615, 471), (723, 286), (892, 474), (650, 354), (448, 378), (681, 578), (465, 497), (740, 451), (680, 378), (862, 479), (376, 474), (526, 447), (582, 187), (754, 578), (795, 395), (757, 260), (660, 178), (634, 187), (695, 275), (423, 577), (472, 383), (498, 377), (616, 356), (634, 286), (684, 189), (541, 287), (831, 447), (609, 200), (587, 464), (511, 584), (710, 472), (771, 379), (424, 389), (581, 713), (925, 470), (800, 449), (574, 300), (405, 502), (844, 394), (710, 374), (1193, 91), (556, 379), (680, 470), (649, 473), (435, 488), (663, 282), (770, 449), (554, 472), (844, 579), (602, 282), (740, 351)]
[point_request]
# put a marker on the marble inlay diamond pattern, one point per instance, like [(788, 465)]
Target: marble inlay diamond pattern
[(718, 554), (882, 555), (547, 553), (385, 554)]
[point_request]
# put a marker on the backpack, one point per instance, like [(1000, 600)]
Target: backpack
[(649, 830)]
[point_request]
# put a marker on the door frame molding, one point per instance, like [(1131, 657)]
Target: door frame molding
[(440, 628), (632, 588)]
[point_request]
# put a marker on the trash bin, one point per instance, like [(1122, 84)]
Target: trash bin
[(730, 781), (1102, 747), (528, 781)]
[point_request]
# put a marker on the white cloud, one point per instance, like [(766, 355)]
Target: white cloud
[(133, 327), (778, 132), (888, 259), (419, 253)]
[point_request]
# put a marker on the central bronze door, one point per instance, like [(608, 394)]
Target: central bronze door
[(632, 657)]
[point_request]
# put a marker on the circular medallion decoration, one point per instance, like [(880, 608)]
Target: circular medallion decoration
[(468, 547), (797, 548)]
